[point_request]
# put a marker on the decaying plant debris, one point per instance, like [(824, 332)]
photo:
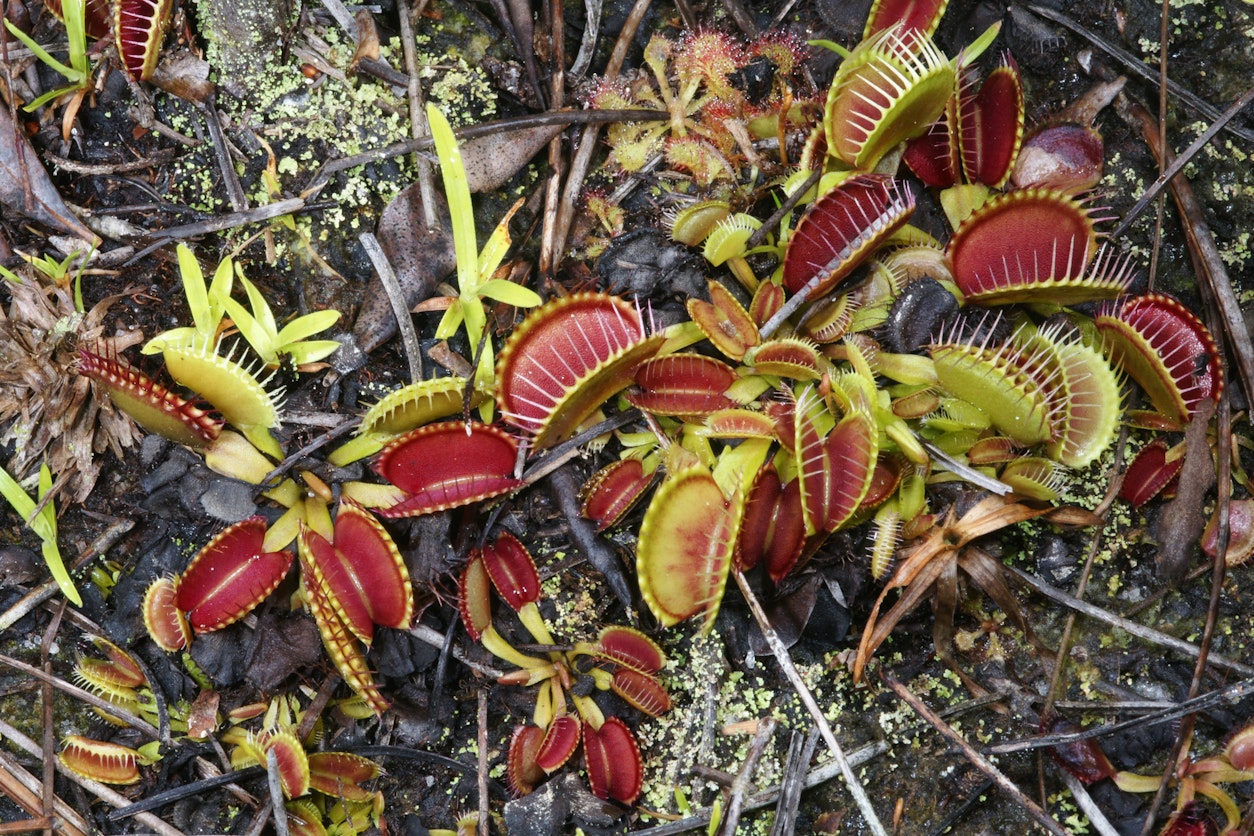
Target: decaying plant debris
[(728, 336)]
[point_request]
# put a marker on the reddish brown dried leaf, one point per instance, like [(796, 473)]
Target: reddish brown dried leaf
[(1064, 157)]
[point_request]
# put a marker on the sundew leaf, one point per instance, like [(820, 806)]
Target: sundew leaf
[(44, 524)]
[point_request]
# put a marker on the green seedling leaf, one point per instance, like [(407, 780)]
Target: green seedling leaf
[(75, 77), (457, 192), (252, 330), (510, 293), (474, 268), (306, 326), (44, 524), (261, 330), (207, 304)]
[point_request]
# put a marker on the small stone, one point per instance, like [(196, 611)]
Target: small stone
[(541, 813), (228, 500)]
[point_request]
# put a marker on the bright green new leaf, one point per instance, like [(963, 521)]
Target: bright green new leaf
[(475, 268), (509, 293), (207, 304), (262, 332), (306, 326), (44, 524), (457, 192), (78, 74)]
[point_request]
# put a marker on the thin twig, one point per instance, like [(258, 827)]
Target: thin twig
[(978, 760), (409, 337), (1230, 694), (1139, 630), (230, 179), (800, 753), (160, 157), (343, 17), (740, 786), (820, 774), (1088, 806), (274, 782), (417, 113), (785, 662), (157, 800), (482, 740), (46, 699), (1135, 66), (105, 794), (1180, 162)]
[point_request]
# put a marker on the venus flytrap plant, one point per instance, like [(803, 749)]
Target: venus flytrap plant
[(43, 523), (74, 14), (261, 330), (206, 303), (475, 269)]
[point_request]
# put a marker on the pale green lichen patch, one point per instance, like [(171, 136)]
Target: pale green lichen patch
[(307, 123)]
